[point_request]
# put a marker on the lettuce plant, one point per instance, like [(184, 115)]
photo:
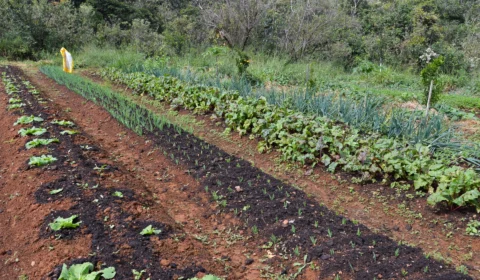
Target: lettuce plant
[(64, 223), (85, 271), (63, 123), (41, 160), (28, 120), (37, 131), (40, 142)]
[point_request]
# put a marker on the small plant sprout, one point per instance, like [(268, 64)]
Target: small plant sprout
[(53, 192), (315, 224), (69, 132), (293, 229), (272, 196), (296, 251), (300, 212), (329, 233), (137, 275), (64, 223), (285, 204), (359, 233), (27, 120), (36, 131), (255, 229), (274, 239), (150, 230), (41, 160), (313, 240), (397, 252), (344, 221), (63, 123), (118, 194)]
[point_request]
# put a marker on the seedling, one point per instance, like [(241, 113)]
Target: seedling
[(85, 272), (150, 230), (32, 131), (41, 160), (359, 233), (274, 239), (16, 106), (293, 229), (118, 194), (255, 229), (63, 123), (40, 142), (27, 120), (14, 100), (397, 252), (329, 233), (314, 240), (69, 132), (64, 223), (296, 251), (55, 191), (316, 224), (137, 275)]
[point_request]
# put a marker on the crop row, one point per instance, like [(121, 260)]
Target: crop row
[(312, 139)]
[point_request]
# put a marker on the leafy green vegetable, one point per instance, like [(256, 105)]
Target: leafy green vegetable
[(118, 194), (69, 132), (41, 160), (63, 123), (85, 272), (64, 223), (56, 191), (14, 100), (37, 131), (39, 142), (28, 120), (16, 106), (150, 230), (473, 228)]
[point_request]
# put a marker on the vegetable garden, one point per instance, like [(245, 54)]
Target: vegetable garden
[(121, 226)]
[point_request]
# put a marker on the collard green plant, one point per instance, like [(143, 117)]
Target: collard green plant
[(85, 272), (64, 223), (37, 131), (40, 142), (473, 228), (41, 160), (16, 106), (27, 120)]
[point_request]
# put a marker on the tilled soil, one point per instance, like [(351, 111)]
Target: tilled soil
[(286, 219)]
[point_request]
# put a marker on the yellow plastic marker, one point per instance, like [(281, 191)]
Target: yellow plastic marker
[(67, 60)]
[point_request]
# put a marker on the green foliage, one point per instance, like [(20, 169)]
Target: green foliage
[(37, 131), (69, 132), (41, 160), (57, 191), (63, 123), (473, 228), (85, 272), (118, 194), (16, 106), (431, 73), (311, 139), (28, 120), (150, 230), (40, 142), (64, 223)]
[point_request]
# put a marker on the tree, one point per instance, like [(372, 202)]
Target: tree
[(235, 21)]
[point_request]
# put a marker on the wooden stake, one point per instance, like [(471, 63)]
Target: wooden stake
[(429, 97)]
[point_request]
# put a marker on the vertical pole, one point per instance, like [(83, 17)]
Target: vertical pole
[(429, 98)]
